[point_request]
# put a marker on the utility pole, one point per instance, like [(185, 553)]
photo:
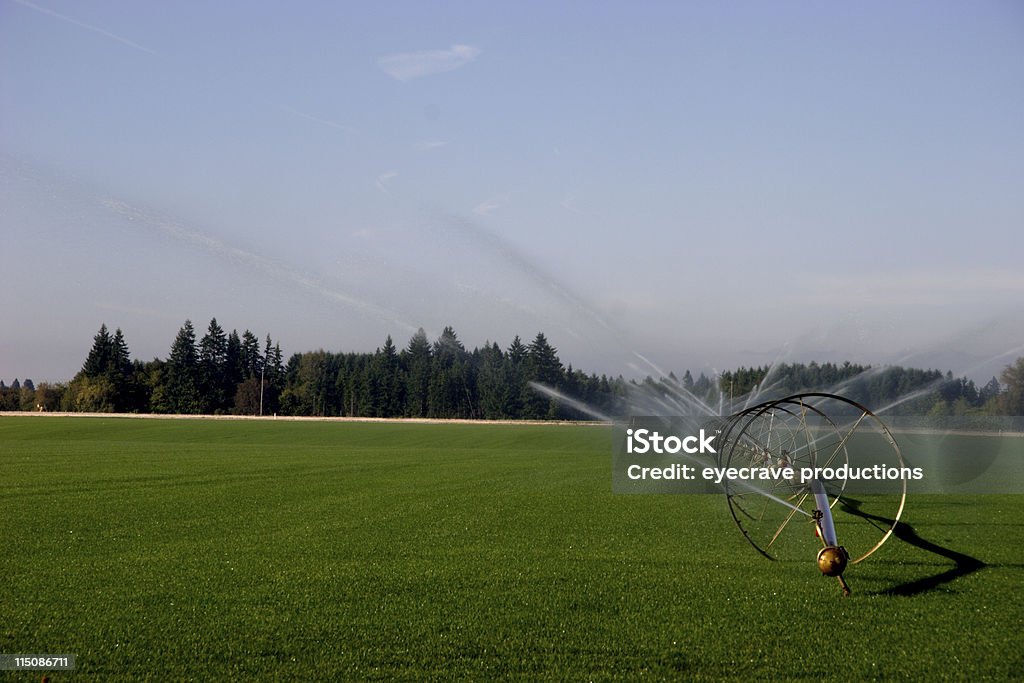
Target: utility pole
[(262, 370)]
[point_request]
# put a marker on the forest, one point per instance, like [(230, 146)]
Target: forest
[(231, 373)]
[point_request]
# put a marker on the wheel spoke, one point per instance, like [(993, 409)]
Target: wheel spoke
[(786, 521)]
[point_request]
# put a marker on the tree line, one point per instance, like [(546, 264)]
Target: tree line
[(230, 373), (895, 390), (217, 374)]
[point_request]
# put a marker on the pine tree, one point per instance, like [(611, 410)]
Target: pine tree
[(688, 381), (105, 382), (375, 404), (543, 363), (449, 394), (276, 365), (213, 353), (233, 371), (416, 360), (392, 389), (100, 355), (273, 369), (182, 371), (121, 374), (120, 361), (250, 356), (492, 382), (517, 352), (273, 376), (515, 363), (543, 367)]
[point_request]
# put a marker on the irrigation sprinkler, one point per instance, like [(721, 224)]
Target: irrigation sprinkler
[(821, 435)]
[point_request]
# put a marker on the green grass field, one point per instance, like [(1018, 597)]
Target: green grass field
[(185, 549)]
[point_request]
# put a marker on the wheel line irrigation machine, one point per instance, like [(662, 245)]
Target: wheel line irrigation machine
[(828, 445)]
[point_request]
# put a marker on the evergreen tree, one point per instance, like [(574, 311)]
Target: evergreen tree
[(273, 376), (213, 370), (543, 363), (360, 401), (100, 355), (233, 370), (517, 352), (449, 395), (543, 367), (105, 382), (515, 373), (343, 383), (250, 356), (182, 383), (702, 387), (416, 360), (492, 383), (276, 367), (392, 385), (120, 361), (128, 394), (374, 376)]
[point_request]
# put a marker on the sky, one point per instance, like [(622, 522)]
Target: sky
[(655, 186)]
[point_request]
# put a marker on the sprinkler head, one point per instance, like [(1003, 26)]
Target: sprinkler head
[(832, 560)]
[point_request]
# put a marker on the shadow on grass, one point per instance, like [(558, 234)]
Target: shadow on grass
[(963, 564)]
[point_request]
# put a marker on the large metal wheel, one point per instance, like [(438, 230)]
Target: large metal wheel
[(822, 433)]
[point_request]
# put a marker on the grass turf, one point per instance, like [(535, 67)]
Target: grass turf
[(168, 550)]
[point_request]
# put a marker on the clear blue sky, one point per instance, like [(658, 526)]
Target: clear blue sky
[(706, 184)]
